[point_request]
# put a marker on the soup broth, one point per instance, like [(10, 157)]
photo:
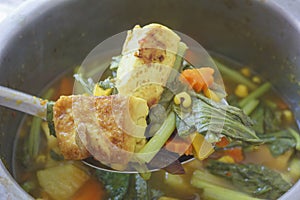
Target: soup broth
[(36, 150)]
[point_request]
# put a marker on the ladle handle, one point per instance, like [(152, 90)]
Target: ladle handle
[(23, 102)]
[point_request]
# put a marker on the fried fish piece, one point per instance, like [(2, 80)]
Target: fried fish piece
[(148, 56), (105, 127)]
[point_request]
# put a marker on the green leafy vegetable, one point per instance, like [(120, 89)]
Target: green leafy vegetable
[(87, 84), (116, 184), (107, 83), (215, 188), (114, 64), (217, 118), (266, 118), (281, 141), (126, 186), (56, 156), (49, 118), (256, 180), (140, 189)]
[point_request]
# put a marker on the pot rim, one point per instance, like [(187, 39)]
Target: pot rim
[(28, 11)]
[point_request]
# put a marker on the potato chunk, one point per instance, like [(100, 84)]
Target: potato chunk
[(61, 182)]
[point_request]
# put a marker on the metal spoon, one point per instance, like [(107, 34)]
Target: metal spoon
[(36, 106)]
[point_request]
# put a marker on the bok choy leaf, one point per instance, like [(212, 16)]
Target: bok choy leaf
[(216, 119), (256, 180)]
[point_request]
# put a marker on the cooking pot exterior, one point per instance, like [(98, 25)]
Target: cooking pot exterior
[(43, 38)]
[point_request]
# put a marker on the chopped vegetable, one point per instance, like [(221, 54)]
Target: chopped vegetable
[(211, 95), (55, 156), (167, 198), (28, 186), (241, 91), (250, 107), (255, 180), (51, 140), (262, 155), (99, 91), (198, 78), (226, 159), (287, 116), (87, 85), (296, 136), (216, 188), (179, 183), (236, 153), (108, 83), (34, 137), (255, 94), (246, 71), (266, 118), (281, 141), (61, 182), (256, 80), (91, 190), (140, 189), (116, 184), (294, 168), (49, 117), (65, 87), (179, 146), (183, 99), (202, 147), (158, 140), (234, 75), (207, 115), (223, 142)]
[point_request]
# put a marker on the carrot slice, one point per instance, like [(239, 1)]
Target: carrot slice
[(91, 190), (198, 79), (179, 146), (236, 153), (223, 142)]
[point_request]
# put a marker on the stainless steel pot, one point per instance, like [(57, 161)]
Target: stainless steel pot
[(43, 38)]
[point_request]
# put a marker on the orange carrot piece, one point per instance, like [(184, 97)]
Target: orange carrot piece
[(198, 79), (236, 153), (223, 143), (65, 87), (179, 146), (91, 190)]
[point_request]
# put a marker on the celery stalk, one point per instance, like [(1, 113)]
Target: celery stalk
[(255, 94), (234, 75), (214, 191), (158, 140), (34, 137), (250, 107)]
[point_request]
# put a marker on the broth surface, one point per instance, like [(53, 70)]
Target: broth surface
[(177, 186)]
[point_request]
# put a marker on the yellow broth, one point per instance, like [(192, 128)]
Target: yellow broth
[(177, 186)]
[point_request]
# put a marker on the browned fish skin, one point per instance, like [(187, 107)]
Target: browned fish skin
[(66, 130), (100, 123)]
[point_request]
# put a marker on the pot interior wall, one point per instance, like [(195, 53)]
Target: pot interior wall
[(252, 32)]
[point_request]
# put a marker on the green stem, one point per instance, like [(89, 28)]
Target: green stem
[(250, 107), (34, 137), (234, 75), (255, 94), (214, 191), (296, 135), (158, 140)]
